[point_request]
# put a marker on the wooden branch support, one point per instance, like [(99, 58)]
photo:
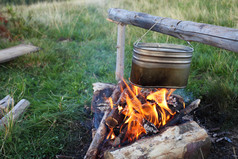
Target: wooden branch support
[(222, 37), (13, 52), (15, 113), (120, 51), (187, 140)]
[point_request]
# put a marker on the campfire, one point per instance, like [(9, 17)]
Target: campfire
[(139, 111), (130, 115)]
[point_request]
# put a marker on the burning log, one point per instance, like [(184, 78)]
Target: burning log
[(115, 117), (117, 92), (184, 112), (100, 106), (101, 91), (131, 113), (191, 107), (187, 140), (150, 128)]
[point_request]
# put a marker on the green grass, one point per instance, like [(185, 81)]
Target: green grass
[(58, 79)]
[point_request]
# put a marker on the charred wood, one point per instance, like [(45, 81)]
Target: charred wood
[(191, 107), (101, 92), (99, 103), (177, 118), (117, 91), (150, 128), (119, 139), (115, 117)]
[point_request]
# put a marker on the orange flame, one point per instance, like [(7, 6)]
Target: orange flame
[(154, 110), (110, 102), (111, 134), (120, 108)]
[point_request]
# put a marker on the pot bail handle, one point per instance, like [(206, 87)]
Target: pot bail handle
[(138, 40)]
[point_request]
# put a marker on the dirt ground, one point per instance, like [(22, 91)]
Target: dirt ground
[(224, 138)]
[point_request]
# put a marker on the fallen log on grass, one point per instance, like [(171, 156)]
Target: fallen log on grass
[(15, 113), (6, 102), (222, 37), (13, 52), (187, 140)]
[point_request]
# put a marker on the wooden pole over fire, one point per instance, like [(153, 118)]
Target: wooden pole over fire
[(222, 37)]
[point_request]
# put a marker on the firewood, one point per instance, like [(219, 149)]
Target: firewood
[(187, 140), (98, 138), (117, 92), (191, 107), (98, 86), (101, 92), (118, 140), (14, 114), (114, 121), (150, 128), (101, 108), (176, 102), (184, 112), (16, 51), (115, 117), (6, 102)]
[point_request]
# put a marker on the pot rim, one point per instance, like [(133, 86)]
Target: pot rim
[(164, 47), (142, 86)]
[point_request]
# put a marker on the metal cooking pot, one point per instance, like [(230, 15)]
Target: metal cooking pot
[(160, 65)]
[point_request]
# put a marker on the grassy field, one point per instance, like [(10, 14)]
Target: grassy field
[(58, 79)]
